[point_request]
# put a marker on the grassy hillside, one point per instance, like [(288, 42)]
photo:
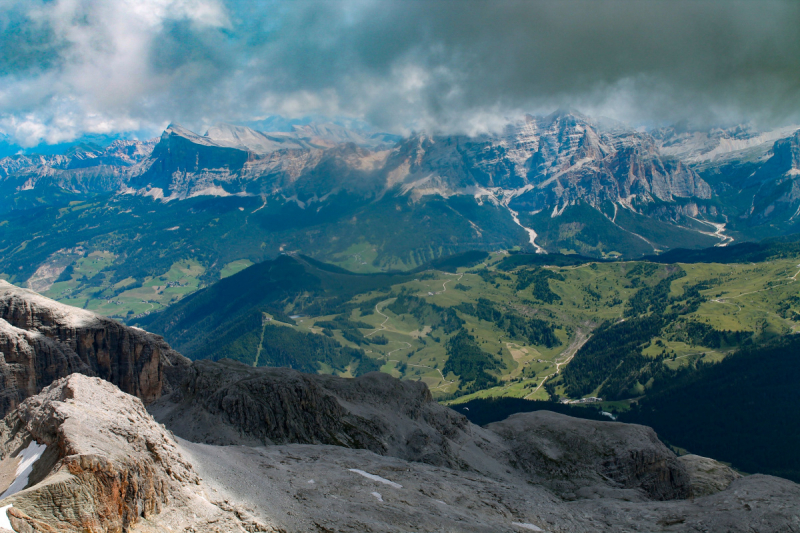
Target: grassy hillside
[(500, 325)]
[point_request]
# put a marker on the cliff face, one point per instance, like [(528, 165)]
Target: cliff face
[(42, 340), (227, 403)]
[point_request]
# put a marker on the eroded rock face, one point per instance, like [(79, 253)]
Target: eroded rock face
[(107, 462), (42, 340), (107, 466), (230, 403), (707, 475), (572, 456)]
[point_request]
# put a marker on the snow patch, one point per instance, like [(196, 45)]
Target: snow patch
[(377, 495), (27, 458), (4, 521), (373, 477), (529, 527), (173, 228)]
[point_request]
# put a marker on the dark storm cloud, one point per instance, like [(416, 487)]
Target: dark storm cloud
[(447, 65)]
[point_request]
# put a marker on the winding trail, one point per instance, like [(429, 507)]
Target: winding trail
[(444, 380), (723, 300), (382, 326), (408, 345), (444, 285), (260, 342)]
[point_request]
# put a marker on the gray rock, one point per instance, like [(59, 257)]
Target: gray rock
[(585, 458), (230, 403), (42, 340), (707, 476), (315, 488), (109, 467)]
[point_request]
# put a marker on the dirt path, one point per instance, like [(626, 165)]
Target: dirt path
[(723, 300), (260, 342), (444, 380), (444, 285), (407, 345), (382, 326)]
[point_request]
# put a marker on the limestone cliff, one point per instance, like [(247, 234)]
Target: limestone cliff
[(42, 340)]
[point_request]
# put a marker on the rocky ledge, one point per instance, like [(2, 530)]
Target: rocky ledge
[(84, 456), (42, 340)]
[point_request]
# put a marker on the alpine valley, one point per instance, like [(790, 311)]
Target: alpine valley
[(141, 223)]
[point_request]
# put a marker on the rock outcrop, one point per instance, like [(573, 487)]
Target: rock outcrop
[(229, 403), (104, 465), (42, 340), (707, 476), (574, 456), (107, 462)]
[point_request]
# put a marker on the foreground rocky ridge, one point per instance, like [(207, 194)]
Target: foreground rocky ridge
[(108, 466), (230, 403), (273, 449), (42, 340)]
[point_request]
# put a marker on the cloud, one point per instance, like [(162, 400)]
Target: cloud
[(77, 66)]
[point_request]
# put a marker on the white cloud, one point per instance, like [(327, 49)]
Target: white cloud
[(70, 67)]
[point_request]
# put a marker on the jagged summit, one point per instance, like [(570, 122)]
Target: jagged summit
[(668, 185)]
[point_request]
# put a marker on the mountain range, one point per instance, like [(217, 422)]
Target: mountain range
[(561, 183)]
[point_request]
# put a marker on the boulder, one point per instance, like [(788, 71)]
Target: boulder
[(102, 464), (707, 476)]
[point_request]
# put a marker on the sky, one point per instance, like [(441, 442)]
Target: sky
[(70, 68)]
